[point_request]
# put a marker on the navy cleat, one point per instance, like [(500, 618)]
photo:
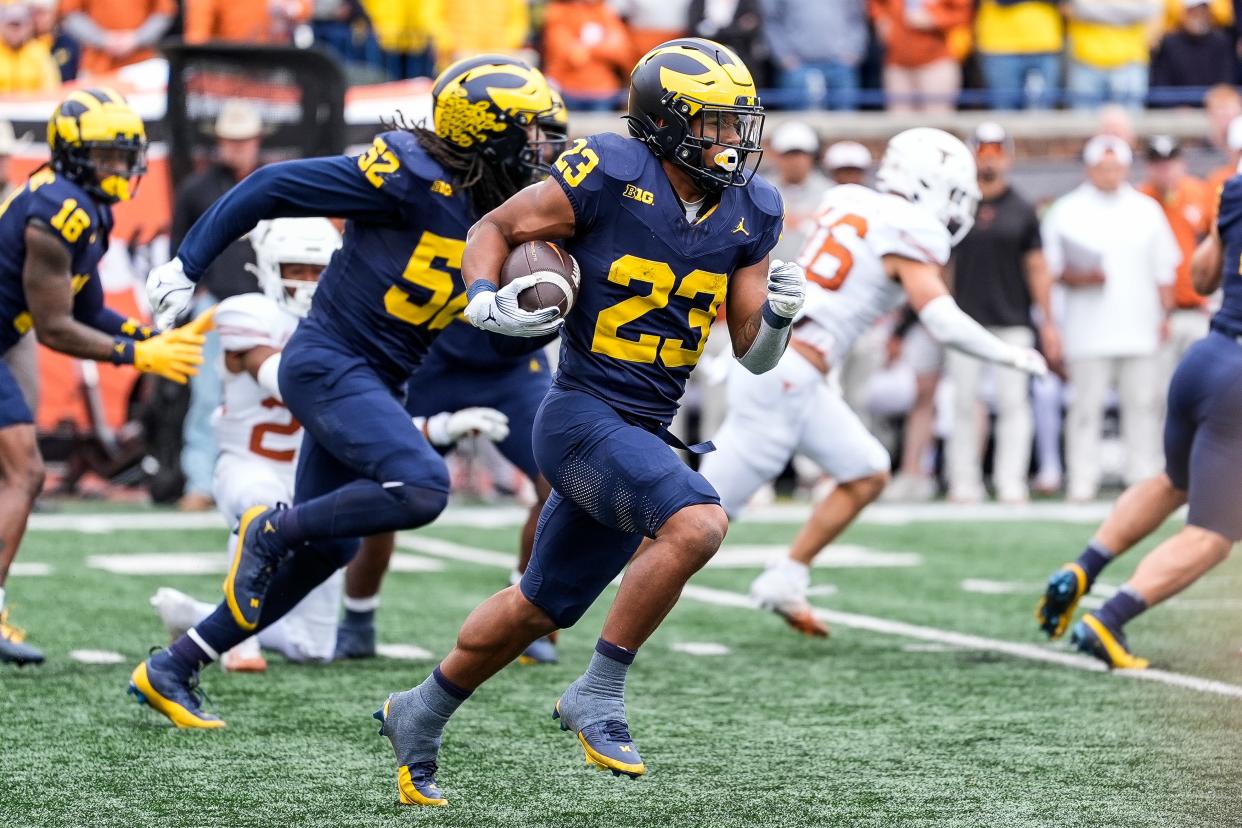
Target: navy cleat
[(1093, 637), (353, 641), (541, 651), (1056, 609), (178, 700), (254, 564), (416, 781), (13, 649), (607, 744)]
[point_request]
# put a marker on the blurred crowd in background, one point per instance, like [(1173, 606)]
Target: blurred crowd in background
[(930, 55), (1097, 277)]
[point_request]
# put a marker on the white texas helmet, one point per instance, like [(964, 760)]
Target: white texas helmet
[(291, 241), (936, 171)]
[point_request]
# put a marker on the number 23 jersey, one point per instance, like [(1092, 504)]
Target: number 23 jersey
[(652, 282), (847, 286)]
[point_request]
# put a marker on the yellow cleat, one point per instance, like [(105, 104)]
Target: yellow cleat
[(1094, 638), (170, 696), (1056, 609)]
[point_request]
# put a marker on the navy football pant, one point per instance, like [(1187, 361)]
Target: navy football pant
[(613, 483), (1203, 433), (13, 407), (516, 392)]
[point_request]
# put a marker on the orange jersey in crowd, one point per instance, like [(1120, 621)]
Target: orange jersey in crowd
[(115, 15), (249, 21), (587, 49), (912, 47), (1189, 211)]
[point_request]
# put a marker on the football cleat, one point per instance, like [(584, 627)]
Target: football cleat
[(1094, 638), (179, 700), (254, 564), (783, 592), (540, 651), (416, 781), (608, 745), (353, 641), (13, 649), (1056, 609)]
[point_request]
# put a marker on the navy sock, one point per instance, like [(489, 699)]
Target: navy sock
[(1093, 560), (358, 618), (183, 657), (219, 631), (1121, 609)]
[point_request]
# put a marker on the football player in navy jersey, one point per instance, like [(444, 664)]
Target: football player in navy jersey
[(667, 225), (53, 231), (466, 372), (364, 467), (1203, 469)]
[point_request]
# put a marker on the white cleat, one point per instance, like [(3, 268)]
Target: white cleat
[(781, 588)]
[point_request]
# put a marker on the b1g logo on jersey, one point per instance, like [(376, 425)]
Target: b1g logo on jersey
[(638, 194)]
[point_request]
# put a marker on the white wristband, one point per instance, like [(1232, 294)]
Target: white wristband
[(269, 374)]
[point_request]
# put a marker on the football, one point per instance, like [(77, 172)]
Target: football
[(550, 260)]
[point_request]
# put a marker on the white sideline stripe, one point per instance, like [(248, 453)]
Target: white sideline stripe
[(490, 517), (699, 648), (403, 652), (837, 556), (27, 569), (96, 656), (401, 562), (161, 563), (884, 626), (974, 642)]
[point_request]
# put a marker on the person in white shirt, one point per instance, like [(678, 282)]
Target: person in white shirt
[(795, 150), (1111, 249)]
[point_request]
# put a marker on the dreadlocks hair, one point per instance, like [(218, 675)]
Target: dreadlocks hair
[(487, 185)]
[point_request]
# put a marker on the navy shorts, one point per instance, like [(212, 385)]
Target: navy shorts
[(1203, 433), (13, 408), (515, 391), (355, 425), (613, 482)]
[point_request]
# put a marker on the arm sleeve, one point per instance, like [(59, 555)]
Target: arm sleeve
[(82, 29), (89, 309), (949, 325), (298, 189), (153, 28)]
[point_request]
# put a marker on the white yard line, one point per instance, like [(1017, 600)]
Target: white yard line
[(884, 626), (490, 517)]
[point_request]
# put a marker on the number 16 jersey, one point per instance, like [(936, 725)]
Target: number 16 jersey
[(847, 286), (652, 282)]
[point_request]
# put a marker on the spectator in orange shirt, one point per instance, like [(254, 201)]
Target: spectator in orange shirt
[(246, 21), (116, 33), (920, 73), (587, 53), (26, 64), (1185, 200)]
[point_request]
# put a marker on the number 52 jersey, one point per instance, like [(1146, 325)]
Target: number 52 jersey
[(652, 282), (847, 286)]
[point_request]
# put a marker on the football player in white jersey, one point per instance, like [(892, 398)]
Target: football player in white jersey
[(872, 251)]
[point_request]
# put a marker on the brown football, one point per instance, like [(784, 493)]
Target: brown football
[(549, 258)]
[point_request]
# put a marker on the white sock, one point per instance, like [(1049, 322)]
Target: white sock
[(1, 599), (368, 604)]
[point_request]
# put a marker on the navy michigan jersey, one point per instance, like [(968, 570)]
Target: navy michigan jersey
[(82, 225), (395, 283), (1228, 319), (652, 282)]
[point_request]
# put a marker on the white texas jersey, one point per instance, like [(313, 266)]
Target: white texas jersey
[(847, 287), (250, 423)]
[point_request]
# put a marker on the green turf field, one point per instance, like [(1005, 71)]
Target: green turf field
[(868, 728)]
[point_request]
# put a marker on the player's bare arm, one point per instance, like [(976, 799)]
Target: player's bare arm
[(541, 212), (1206, 264), (748, 291), (49, 294)]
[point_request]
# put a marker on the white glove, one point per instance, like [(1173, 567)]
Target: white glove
[(498, 310), (447, 427), (1031, 361), (169, 290), (786, 288)]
